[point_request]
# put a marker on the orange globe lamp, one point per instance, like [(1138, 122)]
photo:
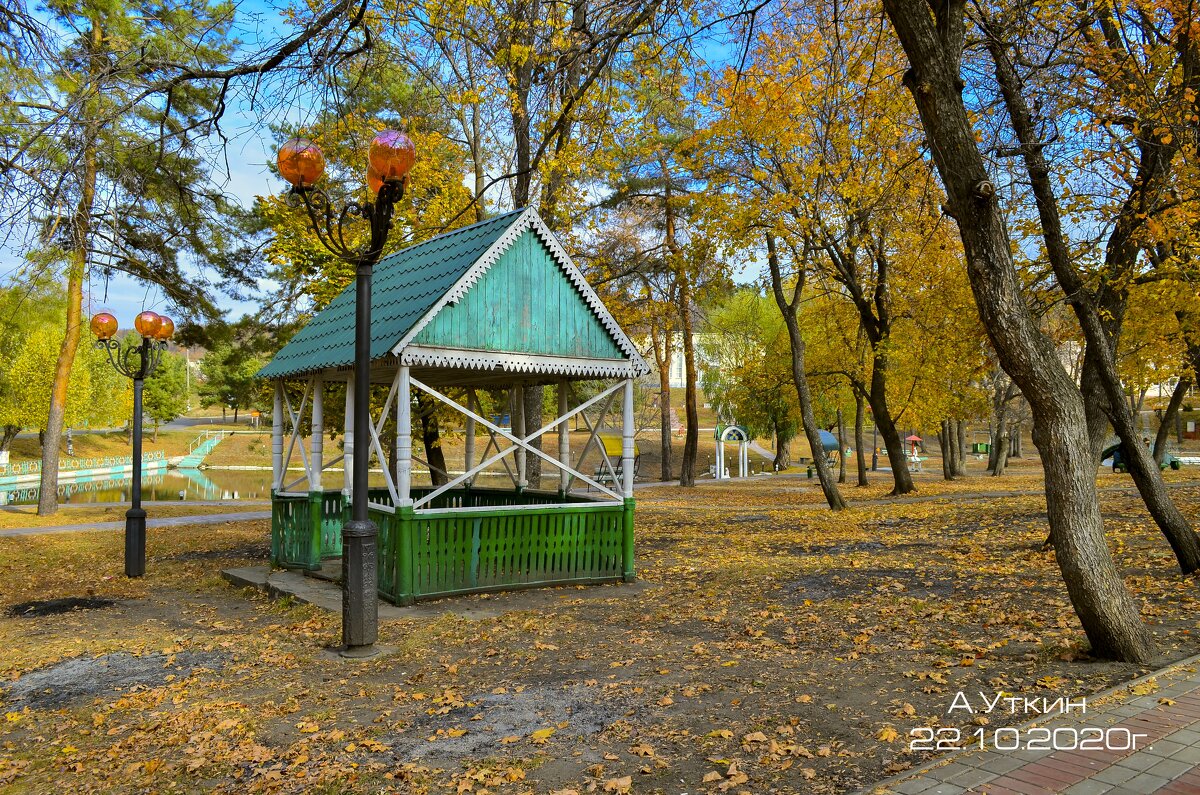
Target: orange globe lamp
[(301, 162), (147, 324), (392, 155), (104, 325), (166, 329)]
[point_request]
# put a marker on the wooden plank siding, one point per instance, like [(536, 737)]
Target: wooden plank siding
[(523, 304)]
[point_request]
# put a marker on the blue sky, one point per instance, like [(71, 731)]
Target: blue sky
[(247, 153)]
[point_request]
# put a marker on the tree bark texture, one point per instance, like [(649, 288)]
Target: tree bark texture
[(1169, 417), (799, 377), (1100, 314), (1106, 610), (960, 445), (80, 245), (841, 428), (859, 439)]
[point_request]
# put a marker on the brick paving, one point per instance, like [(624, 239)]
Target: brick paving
[(1166, 760)]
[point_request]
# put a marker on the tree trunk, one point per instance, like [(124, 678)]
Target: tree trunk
[(999, 453), (1095, 404), (960, 443), (9, 433), (660, 340), (897, 459), (48, 494), (1106, 610), (799, 377), (1014, 440), (1100, 314), (944, 440), (841, 426), (783, 458), (431, 438), (859, 440), (534, 419), (1169, 418), (691, 442)]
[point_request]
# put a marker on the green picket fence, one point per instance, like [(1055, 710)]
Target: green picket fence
[(441, 551)]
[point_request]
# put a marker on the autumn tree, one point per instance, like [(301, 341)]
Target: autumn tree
[(1139, 68), (933, 38), (807, 129), (750, 380), (101, 147)]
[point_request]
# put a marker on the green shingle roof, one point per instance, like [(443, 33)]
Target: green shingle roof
[(405, 286)]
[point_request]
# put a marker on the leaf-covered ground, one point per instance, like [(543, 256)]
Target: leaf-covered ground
[(768, 645)]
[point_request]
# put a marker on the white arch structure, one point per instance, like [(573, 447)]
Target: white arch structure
[(739, 434)]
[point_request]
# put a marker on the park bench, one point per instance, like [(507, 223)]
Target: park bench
[(612, 451)]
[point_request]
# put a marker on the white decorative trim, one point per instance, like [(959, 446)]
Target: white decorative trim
[(529, 219), (466, 359)]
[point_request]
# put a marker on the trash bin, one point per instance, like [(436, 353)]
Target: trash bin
[(810, 471)]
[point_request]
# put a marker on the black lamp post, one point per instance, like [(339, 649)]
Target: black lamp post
[(301, 163), (137, 362)]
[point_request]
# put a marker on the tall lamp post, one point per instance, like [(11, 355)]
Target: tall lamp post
[(302, 163), (137, 362)]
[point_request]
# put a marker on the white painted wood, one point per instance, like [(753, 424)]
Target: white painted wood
[(277, 438), (523, 443), (564, 437), (593, 442), (469, 456), (348, 441), (627, 430), (432, 356), (294, 434), (403, 495), (316, 442)]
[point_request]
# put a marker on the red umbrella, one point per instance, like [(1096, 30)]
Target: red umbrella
[(914, 438)]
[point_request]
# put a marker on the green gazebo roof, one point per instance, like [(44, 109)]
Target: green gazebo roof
[(499, 294)]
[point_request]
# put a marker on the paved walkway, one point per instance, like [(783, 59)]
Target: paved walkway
[(169, 521), (1161, 712)]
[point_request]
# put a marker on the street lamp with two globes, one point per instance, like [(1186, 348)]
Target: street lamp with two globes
[(302, 163), (137, 362)]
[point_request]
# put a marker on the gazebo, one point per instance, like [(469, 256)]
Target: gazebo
[(497, 306)]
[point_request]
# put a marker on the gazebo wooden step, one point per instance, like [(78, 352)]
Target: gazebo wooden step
[(330, 571)]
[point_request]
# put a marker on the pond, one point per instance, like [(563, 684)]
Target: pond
[(178, 485), (172, 484)]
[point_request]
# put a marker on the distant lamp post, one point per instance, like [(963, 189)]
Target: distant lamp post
[(302, 163), (136, 362)]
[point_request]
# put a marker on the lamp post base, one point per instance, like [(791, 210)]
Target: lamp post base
[(135, 542), (360, 588)]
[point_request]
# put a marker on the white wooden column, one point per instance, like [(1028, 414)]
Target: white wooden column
[(518, 426), (564, 437), (403, 438), (277, 438), (469, 455), (719, 468), (316, 442), (627, 440), (348, 441)]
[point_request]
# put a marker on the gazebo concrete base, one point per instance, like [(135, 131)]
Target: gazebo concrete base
[(281, 583)]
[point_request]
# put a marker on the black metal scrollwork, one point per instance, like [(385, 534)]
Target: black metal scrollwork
[(137, 361), (330, 223)]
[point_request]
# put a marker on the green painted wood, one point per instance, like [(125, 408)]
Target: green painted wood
[(444, 552), (404, 287), (541, 311)]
